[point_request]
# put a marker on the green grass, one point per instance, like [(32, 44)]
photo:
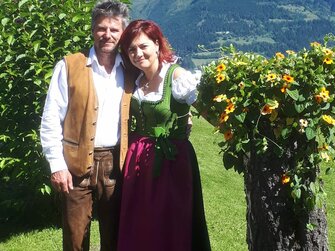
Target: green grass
[(223, 197)]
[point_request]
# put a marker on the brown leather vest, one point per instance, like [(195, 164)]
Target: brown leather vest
[(80, 121)]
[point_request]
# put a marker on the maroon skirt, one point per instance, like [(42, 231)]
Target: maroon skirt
[(162, 212)]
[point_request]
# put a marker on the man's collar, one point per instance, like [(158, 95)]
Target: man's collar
[(92, 57)]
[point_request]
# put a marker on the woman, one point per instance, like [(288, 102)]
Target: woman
[(161, 206)]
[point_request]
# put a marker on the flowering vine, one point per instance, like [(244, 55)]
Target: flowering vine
[(292, 93)]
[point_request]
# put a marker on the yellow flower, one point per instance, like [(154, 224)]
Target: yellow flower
[(269, 108), (230, 108), (241, 84), (284, 87), (220, 98), (228, 135), (328, 60), (318, 98), (219, 78), (327, 51), (280, 55), (323, 147), (266, 110), (328, 119), (221, 67), (223, 117), (238, 63), (274, 105), (315, 44), (285, 179), (324, 94), (271, 77), (325, 156), (303, 122), (288, 78), (290, 52)]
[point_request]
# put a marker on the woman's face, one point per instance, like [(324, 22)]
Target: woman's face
[(143, 52)]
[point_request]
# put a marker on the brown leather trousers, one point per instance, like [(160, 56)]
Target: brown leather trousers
[(100, 188)]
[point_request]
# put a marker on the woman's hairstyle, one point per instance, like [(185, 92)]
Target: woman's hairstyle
[(152, 30), (110, 8)]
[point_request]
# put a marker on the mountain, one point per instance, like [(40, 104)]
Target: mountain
[(262, 26)]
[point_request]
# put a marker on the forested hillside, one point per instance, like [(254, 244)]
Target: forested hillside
[(251, 25)]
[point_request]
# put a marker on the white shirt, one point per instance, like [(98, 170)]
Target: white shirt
[(109, 89), (184, 88)]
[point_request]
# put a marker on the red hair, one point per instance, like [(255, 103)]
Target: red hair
[(152, 30)]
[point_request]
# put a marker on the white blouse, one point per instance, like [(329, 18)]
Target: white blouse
[(184, 88)]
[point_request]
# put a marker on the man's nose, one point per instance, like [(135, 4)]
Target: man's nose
[(108, 33)]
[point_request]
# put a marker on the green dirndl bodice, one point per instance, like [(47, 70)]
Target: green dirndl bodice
[(161, 206)]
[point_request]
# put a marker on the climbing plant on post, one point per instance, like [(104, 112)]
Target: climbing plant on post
[(276, 119)]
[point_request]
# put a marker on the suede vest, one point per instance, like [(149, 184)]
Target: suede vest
[(79, 126)]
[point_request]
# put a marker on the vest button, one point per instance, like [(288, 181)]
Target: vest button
[(96, 108), (94, 123), (90, 153), (92, 138)]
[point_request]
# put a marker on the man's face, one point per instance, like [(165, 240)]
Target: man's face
[(106, 33)]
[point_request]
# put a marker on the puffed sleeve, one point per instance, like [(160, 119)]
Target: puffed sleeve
[(184, 88)]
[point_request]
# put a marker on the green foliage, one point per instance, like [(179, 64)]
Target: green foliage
[(34, 35), (283, 104)]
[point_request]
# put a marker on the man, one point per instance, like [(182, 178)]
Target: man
[(87, 100)]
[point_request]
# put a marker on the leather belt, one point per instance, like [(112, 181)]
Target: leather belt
[(105, 149)]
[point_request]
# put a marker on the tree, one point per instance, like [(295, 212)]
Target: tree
[(34, 35)]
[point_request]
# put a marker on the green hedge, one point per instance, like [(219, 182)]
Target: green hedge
[(34, 35)]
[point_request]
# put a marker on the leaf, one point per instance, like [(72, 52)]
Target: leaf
[(296, 193), (230, 161), (76, 39), (294, 94), (310, 226), (76, 18), (10, 39), (22, 2), (36, 46), (48, 189), (325, 107), (285, 132), (310, 133), (61, 16), (241, 117), (299, 107), (4, 21), (20, 56)]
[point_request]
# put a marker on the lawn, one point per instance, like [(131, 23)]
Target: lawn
[(223, 197)]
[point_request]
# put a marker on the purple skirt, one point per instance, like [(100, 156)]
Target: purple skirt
[(157, 212)]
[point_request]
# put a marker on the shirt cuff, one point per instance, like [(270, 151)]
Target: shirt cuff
[(57, 165)]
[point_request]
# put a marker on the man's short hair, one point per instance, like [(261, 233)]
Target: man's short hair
[(110, 8)]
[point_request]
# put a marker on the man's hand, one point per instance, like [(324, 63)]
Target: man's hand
[(62, 181)]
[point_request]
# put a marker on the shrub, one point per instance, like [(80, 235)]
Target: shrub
[(34, 36), (281, 103)]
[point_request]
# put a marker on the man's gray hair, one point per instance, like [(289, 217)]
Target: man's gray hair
[(110, 8)]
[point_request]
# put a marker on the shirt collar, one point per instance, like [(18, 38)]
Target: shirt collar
[(93, 59)]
